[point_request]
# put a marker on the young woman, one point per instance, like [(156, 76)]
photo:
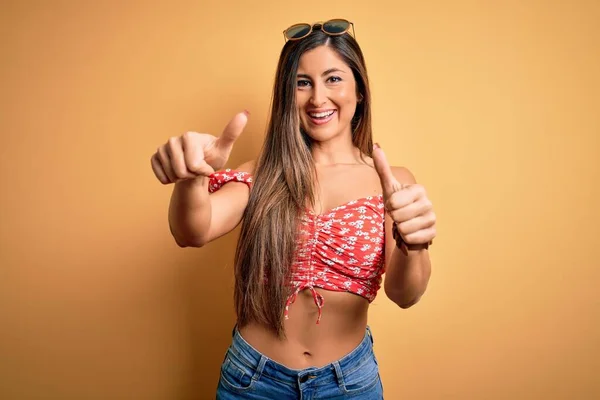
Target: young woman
[(323, 217)]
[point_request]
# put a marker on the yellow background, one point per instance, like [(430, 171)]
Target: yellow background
[(493, 105)]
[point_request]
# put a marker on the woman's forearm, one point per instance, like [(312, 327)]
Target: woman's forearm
[(407, 276), (190, 212)]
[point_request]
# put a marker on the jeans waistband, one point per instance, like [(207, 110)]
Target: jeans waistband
[(333, 372)]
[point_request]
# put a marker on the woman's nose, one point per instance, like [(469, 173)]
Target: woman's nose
[(318, 97)]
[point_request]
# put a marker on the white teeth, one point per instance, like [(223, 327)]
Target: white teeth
[(321, 114)]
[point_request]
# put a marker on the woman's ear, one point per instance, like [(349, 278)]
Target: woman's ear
[(360, 98)]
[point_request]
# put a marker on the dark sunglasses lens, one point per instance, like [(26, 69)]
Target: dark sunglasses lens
[(297, 31), (336, 26)]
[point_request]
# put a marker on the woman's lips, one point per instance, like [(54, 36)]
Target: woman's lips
[(321, 117)]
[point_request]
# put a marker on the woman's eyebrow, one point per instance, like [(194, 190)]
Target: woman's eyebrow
[(329, 71)]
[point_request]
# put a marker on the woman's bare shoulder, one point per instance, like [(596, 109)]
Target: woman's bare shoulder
[(403, 175), (248, 166)]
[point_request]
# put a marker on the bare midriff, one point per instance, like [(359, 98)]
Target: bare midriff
[(308, 344)]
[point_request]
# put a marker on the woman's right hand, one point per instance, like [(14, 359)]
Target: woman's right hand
[(193, 154)]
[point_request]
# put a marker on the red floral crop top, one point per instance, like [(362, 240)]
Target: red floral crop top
[(341, 249)]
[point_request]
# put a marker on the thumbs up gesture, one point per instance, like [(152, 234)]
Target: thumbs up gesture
[(196, 154), (407, 205)]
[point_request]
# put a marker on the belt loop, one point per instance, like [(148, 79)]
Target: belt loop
[(260, 367), (339, 374), (370, 335)]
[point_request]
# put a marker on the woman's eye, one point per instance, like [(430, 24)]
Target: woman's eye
[(334, 79), (303, 83)]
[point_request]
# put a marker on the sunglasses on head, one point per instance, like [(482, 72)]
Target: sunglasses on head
[(333, 27)]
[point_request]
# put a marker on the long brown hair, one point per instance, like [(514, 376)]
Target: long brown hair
[(284, 184)]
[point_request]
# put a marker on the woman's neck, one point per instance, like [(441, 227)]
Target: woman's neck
[(335, 152)]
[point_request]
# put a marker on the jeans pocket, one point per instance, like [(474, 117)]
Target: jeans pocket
[(236, 375), (362, 379)]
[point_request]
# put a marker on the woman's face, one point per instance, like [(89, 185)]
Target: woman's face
[(325, 94)]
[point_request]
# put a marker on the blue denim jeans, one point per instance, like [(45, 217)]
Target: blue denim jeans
[(248, 374)]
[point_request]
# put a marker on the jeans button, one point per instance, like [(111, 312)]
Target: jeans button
[(305, 378)]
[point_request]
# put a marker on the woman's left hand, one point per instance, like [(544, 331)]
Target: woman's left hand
[(406, 204)]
